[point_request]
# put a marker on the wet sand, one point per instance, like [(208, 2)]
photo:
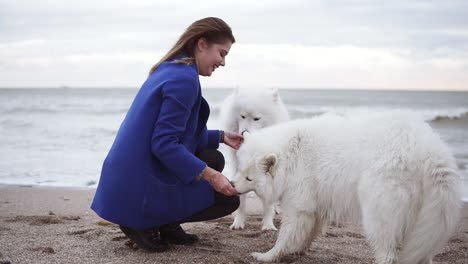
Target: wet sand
[(56, 225)]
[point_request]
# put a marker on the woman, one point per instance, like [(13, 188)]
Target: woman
[(163, 168)]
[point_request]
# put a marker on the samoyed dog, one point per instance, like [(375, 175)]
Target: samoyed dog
[(390, 172), (250, 110)]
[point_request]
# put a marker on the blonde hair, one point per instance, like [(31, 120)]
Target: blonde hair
[(213, 29)]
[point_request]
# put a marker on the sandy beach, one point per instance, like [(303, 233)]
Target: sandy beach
[(56, 225)]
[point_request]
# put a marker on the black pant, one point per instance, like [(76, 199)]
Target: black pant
[(223, 205)]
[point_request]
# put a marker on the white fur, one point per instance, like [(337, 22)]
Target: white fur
[(390, 172), (250, 110)]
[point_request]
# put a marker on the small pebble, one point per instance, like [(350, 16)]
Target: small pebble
[(104, 223), (70, 217), (48, 250)]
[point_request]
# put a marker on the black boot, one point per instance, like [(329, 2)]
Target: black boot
[(174, 234), (148, 239)]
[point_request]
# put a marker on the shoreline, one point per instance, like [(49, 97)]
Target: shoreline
[(42, 224), (255, 211)]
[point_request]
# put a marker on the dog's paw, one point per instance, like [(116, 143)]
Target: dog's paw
[(238, 224), (235, 226), (262, 257), (269, 226)]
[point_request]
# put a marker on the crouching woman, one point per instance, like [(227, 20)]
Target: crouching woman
[(163, 168)]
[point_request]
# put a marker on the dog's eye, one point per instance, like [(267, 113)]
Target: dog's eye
[(257, 118), (243, 116), (247, 178)]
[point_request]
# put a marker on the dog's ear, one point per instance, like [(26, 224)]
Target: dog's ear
[(269, 163), (275, 94)]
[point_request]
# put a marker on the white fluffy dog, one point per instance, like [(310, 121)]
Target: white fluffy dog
[(250, 110), (390, 172)]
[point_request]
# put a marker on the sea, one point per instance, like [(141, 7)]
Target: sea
[(60, 136)]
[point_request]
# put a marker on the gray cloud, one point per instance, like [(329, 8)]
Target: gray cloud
[(55, 32)]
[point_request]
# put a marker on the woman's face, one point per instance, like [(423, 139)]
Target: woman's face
[(210, 56)]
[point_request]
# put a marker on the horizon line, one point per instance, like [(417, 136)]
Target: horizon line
[(231, 88)]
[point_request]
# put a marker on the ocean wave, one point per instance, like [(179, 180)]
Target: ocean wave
[(437, 115), (103, 131), (107, 112), (29, 109), (15, 123), (427, 114), (56, 110)]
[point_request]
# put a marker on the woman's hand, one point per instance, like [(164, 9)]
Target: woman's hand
[(233, 139), (219, 182)]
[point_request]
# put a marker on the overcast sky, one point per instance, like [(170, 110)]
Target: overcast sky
[(368, 44)]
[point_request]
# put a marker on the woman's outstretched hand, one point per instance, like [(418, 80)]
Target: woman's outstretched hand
[(233, 139), (219, 182)]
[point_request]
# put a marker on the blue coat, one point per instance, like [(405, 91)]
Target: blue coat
[(148, 177)]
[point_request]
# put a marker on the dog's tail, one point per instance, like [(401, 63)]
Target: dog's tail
[(438, 217)]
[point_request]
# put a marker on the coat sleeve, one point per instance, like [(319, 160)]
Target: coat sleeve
[(213, 139), (178, 99)]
